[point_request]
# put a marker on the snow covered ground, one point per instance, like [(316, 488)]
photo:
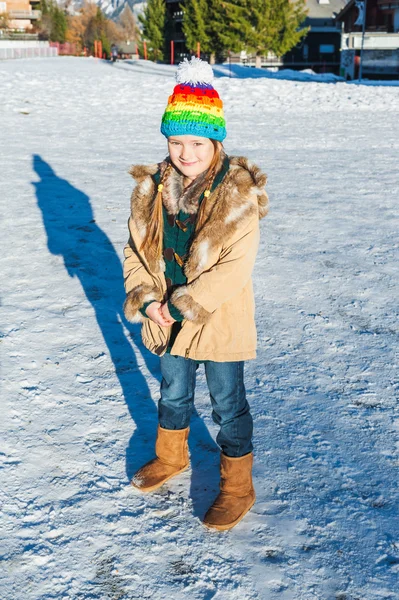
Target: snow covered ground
[(79, 391)]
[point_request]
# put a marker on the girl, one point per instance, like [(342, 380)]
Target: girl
[(194, 233)]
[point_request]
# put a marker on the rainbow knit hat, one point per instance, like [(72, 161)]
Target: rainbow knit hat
[(194, 108)]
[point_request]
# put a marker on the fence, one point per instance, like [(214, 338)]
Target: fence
[(64, 49), (20, 51)]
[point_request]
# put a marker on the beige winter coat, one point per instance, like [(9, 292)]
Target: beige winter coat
[(217, 302)]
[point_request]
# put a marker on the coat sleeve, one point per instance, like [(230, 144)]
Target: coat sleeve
[(140, 286), (202, 296)]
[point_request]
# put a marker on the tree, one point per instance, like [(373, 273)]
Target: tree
[(259, 26), (59, 24), (127, 23), (91, 24), (4, 20), (45, 23), (154, 22), (96, 29), (216, 24), (195, 29), (274, 25), (75, 31), (78, 23), (115, 33), (234, 22), (53, 23)]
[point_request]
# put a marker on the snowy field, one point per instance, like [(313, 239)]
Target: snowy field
[(79, 392)]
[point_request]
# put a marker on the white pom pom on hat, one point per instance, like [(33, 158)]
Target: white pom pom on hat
[(194, 71)]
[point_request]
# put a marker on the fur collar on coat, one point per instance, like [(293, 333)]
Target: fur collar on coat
[(229, 204), (175, 196)]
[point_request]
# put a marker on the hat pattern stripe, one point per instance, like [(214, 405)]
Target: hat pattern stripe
[(181, 107), (203, 100), (205, 130), (195, 117)]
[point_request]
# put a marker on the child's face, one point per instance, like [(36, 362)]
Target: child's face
[(191, 154)]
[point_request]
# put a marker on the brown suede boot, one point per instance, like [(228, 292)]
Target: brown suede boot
[(171, 449), (237, 494)]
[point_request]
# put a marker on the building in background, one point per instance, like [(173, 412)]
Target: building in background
[(381, 40), (128, 50), (174, 31), (21, 13), (320, 49)]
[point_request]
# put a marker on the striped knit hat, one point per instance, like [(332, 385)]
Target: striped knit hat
[(194, 108)]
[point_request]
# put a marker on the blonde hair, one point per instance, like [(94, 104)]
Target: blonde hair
[(153, 240)]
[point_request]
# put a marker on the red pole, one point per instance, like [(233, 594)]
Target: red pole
[(100, 49), (198, 50), (145, 49), (95, 48), (172, 52)]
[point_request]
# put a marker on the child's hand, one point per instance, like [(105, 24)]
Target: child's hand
[(154, 313), (165, 311)]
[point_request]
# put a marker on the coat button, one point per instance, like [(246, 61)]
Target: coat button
[(169, 253), (171, 220)]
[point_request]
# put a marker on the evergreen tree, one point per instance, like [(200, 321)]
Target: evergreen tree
[(101, 26), (195, 25), (273, 25), (53, 23), (44, 7), (217, 22), (259, 26), (227, 24), (154, 22), (58, 24)]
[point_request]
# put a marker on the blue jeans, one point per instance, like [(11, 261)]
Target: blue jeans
[(230, 409)]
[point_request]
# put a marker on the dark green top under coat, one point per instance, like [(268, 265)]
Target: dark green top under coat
[(174, 237)]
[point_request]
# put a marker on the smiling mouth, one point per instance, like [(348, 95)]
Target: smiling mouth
[(187, 164)]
